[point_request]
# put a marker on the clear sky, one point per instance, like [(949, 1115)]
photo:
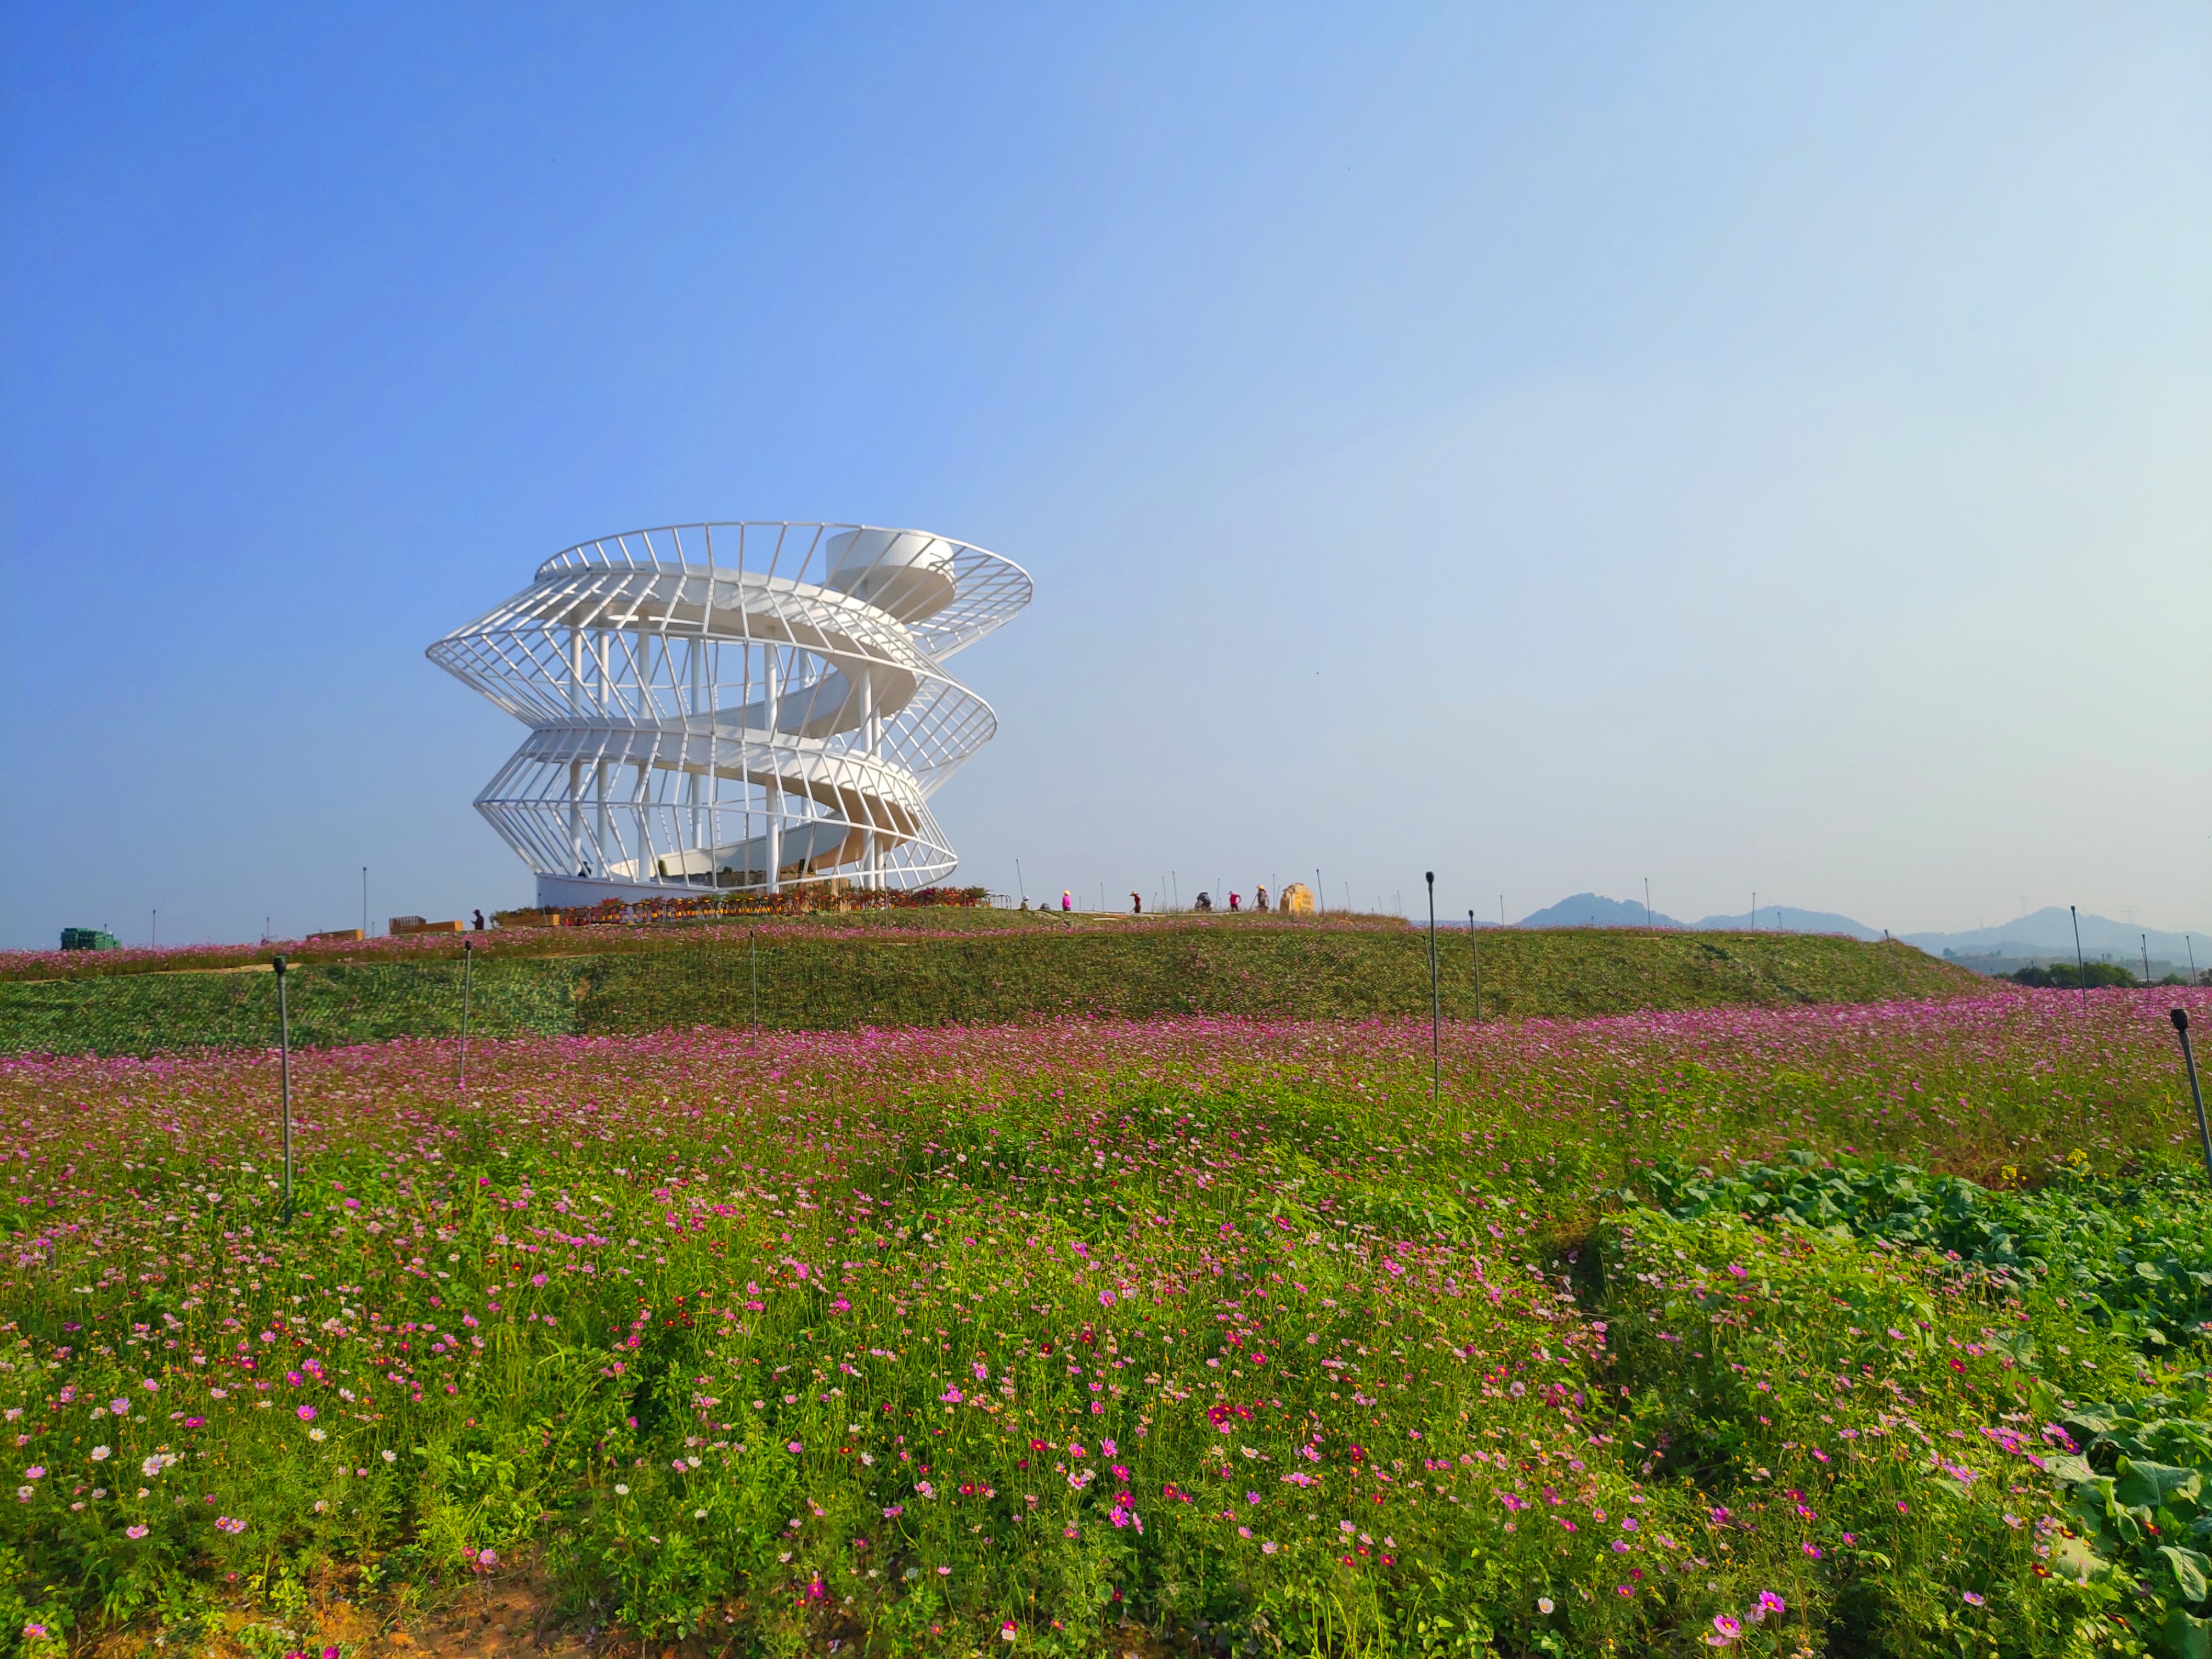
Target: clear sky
[(1749, 446)]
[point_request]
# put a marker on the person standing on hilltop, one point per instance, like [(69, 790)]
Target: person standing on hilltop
[(1259, 898), (1136, 904), (1067, 901)]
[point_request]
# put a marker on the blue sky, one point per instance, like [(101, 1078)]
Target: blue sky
[(1749, 447)]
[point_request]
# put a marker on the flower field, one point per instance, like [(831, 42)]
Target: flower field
[(1850, 1330)]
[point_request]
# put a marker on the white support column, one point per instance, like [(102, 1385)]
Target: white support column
[(871, 739), (603, 831), (575, 767), (771, 701), (696, 719), (576, 814), (648, 863)]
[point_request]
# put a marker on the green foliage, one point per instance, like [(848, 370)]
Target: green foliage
[(1880, 1415), (2070, 976), (2142, 1500), (2134, 1253)]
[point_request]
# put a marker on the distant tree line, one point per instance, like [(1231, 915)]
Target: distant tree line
[(2065, 977)]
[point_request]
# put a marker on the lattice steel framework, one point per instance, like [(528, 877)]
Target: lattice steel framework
[(735, 705)]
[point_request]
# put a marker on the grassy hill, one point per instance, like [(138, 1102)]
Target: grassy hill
[(838, 976)]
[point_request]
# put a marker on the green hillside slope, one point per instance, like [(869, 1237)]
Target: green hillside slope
[(838, 983)]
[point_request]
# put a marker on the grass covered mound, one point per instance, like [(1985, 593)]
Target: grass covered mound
[(647, 934), (828, 976), (1074, 1338)]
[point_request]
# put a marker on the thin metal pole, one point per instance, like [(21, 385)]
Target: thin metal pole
[(2191, 945), (468, 961), (2181, 1019), (284, 1051), (1647, 902), (2081, 965), (364, 901), (2145, 938), (1320, 903), (1020, 886), (1474, 950), (1436, 1008), (753, 933)]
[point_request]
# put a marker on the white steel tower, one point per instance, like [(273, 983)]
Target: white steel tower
[(733, 707)]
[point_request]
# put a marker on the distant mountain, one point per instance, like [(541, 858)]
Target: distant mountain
[(1589, 911), (1781, 919), (2049, 932), (1594, 910)]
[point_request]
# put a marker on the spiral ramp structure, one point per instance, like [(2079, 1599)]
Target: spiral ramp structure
[(736, 706)]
